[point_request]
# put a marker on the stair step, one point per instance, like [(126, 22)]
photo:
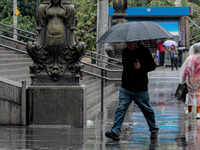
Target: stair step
[(90, 79), (15, 60), (3, 48), (95, 97), (7, 51), (6, 73), (14, 65), (19, 78), (87, 78), (13, 56), (93, 86), (97, 108)]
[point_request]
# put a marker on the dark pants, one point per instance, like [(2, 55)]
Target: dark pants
[(174, 62), (142, 100), (180, 60), (162, 57)]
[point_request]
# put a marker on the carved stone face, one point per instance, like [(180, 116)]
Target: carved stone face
[(55, 1)]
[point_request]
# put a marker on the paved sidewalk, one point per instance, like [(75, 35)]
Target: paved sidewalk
[(176, 132)]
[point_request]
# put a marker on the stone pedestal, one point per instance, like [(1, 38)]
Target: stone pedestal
[(57, 105)]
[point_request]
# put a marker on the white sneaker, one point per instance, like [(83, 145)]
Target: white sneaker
[(189, 115), (186, 113), (198, 116)]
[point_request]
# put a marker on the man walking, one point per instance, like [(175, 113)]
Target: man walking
[(137, 62)]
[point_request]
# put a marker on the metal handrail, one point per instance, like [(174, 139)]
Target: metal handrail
[(99, 67), (12, 32), (105, 56), (104, 61), (8, 38), (17, 34), (15, 49), (102, 77), (18, 29)]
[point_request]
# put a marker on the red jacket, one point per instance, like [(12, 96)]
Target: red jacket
[(160, 47)]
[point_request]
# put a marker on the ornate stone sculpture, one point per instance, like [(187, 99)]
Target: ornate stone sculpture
[(56, 51)]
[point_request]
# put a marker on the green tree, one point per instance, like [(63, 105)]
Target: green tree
[(194, 31), (86, 11), (87, 15), (197, 2), (6, 8), (24, 22), (150, 3), (161, 3), (27, 7), (136, 3), (26, 17)]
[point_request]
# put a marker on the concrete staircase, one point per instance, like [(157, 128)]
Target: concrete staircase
[(15, 66)]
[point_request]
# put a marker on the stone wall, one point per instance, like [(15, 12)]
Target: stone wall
[(10, 102)]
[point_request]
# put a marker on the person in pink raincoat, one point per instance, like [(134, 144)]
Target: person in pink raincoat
[(190, 73)]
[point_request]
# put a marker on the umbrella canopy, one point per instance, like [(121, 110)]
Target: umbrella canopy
[(134, 31), (169, 43)]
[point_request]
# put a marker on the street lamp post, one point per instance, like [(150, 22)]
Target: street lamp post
[(15, 19), (120, 7), (119, 16), (102, 27), (186, 23), (37, 4)]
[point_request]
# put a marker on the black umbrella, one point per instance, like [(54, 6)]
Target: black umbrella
[(134, 31)]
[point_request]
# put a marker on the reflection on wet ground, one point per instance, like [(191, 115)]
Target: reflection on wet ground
[(176, 131)]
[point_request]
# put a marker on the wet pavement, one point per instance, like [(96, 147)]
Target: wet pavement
[(176, 131)]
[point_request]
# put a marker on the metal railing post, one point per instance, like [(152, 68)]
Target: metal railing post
[(23, 104), (102, 89)]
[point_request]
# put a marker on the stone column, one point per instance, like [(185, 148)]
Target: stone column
[(15, 19)]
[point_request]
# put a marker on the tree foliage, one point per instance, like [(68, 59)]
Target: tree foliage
[(27, 7), (87, 14), (6, 8), (25, 19), (197, 2), (148, 3), (161, 3), (194, 31), (86, 11)]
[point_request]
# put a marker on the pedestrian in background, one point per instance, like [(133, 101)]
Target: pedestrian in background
[(181, 50), (174, 57), (190, 73), (137, 62), (161, 49)]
